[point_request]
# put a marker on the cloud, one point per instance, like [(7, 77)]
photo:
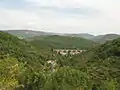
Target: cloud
[(82, 10), (72, 16), (63, 6)]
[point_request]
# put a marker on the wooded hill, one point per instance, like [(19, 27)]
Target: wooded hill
[(23, 67), (30, 33), (103, 62), (20, 49), (62, 42)]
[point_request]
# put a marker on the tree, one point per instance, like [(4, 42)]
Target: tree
[(10, 71), (66, 78)]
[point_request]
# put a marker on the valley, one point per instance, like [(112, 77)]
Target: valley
[(55, 62), (59, 44)]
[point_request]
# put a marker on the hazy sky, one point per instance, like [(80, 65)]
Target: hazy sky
[(63, 16)]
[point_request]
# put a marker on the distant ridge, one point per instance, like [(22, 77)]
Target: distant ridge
[(104, 38), (27, 33), (83, 35), (31, 33)]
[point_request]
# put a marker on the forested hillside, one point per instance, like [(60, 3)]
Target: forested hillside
[(108, 55), (21, 49), (82, 35), (103, 62), (25, 67), (104, 38), (26, 34), (62, 42)]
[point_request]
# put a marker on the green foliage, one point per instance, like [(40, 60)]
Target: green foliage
[(103, 63), (66, 78), (110, 84), (10, 71), (62, 42), (28, 68), (108, 49), (103, 38), (20, 49)]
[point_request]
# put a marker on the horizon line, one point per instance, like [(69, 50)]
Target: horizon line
[(59, 32)]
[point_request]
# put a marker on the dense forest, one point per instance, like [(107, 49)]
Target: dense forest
[(24, 66), (64, 42)]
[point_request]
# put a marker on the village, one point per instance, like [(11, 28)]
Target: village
[(68, 51)]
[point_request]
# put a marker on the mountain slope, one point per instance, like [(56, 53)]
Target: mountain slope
[(104, 38), (20, 49), (109, 49), (27, 33), (30, 33), (60, 42), (103, 62), (82, 35)]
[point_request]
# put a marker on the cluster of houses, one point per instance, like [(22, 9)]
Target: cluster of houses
[(53, 63), (68, 51)]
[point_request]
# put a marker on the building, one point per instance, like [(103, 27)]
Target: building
[(68, 51)]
